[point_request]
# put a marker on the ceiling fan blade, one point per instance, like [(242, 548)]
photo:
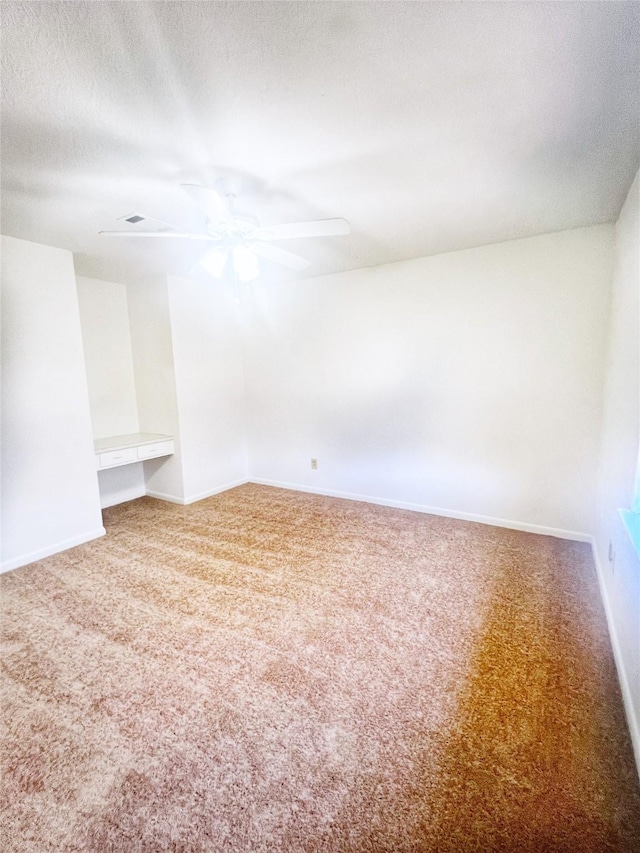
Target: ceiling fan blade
[(183, 234), (211, 203), (280, 256), (317, 228)]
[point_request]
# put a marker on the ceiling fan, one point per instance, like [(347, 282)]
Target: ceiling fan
[(238, 236)]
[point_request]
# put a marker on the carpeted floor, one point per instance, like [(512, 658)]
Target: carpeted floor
[(272, 671)]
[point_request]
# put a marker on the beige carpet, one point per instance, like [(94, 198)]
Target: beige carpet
[(272, 671)]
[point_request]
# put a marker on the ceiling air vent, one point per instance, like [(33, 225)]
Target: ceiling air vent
[(134, 219)]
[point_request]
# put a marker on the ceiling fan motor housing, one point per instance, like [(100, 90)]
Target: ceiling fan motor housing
[(243, 221)]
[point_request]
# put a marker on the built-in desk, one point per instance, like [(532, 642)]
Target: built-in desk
[(136, 447)]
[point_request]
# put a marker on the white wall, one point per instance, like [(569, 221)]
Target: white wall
[(470, 382), (207, 348), (165, 355), (620, 579), (104, 319), (187, 356), (49, 486), (155, 380)]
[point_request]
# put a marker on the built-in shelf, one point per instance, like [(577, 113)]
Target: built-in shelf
[(135, 447)]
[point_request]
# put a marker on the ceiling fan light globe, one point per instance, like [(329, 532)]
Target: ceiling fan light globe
[(214, 262), (245, 263)]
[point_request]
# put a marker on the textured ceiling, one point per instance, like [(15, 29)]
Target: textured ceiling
[(429, 126)]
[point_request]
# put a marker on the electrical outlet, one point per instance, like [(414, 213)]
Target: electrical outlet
[(314, 464)]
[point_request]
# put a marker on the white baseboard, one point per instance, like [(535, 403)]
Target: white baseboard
[(161, 496), (215, 491), (41, 553), (633, 714), (200, 496), (122, 497), (432, 510)]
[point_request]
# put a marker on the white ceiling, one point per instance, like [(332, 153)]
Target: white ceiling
[(429, 126)]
